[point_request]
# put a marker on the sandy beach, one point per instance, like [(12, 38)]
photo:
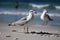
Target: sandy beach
[(14, 10), (7, 34)]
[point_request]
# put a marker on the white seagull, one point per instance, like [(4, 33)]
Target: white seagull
[(25, 21), (45, 17)]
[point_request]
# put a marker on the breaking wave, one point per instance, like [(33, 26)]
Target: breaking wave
[(26, 13), (41, 6)]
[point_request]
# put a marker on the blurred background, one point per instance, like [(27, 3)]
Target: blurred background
[(13, 10)]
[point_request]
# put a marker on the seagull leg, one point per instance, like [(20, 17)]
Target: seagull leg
[(45, 23), (27, 29), (24, 29)]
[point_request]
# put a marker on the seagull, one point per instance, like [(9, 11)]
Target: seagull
[(45, 17), (25, 21)]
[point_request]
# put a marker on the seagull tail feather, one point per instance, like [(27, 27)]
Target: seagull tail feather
[(51, 19)]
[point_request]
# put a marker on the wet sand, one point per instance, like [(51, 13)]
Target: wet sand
[(7, 34)]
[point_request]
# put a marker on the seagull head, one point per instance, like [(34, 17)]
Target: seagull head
[(45, 11), (32, 12)]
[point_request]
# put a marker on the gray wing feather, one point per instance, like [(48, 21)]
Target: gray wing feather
[(24, 18), (21, 21)]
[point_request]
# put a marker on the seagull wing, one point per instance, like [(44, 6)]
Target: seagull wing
[(21, 21), (48, 17), (24, 18)]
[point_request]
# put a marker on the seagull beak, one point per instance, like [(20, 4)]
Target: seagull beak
[(35, 12)]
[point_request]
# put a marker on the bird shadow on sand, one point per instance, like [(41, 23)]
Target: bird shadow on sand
[(46, 34), (40, 33)]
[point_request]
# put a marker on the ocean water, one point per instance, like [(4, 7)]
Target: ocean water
[(8, 12), (11, 15)]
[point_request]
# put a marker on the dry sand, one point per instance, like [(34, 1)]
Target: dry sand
[(7, 34)]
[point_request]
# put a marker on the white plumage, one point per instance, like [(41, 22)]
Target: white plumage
[(25, 21), (45, 17)]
